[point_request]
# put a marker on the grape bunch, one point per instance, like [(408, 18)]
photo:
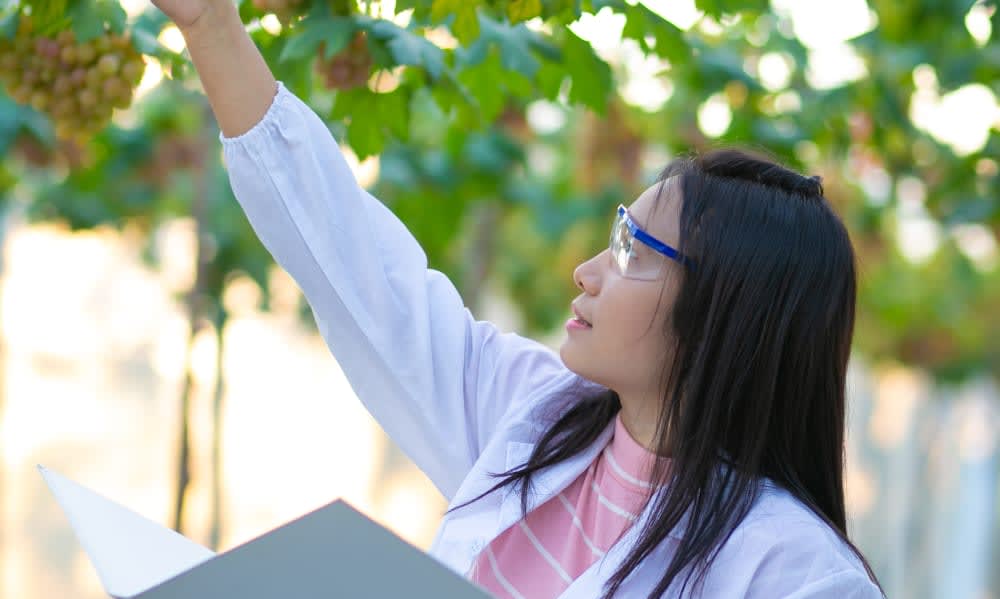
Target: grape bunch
[(349, 68), (77, 85)]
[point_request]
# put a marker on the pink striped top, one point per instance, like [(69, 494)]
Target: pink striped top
[(540, 556)]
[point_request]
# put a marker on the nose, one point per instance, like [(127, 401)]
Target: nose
[(587, 276)]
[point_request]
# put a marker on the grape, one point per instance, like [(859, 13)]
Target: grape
[(78, 85), (132, 70), (348, 68), (62, 85), (285, 10), (113, 89), (68, 55), (95, 78), (87, 98), (85, 53), (39, 100), (109, 64)]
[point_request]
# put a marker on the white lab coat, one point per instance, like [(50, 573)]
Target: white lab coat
[(460, 398)]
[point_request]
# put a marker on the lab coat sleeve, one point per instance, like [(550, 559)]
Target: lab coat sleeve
[(434, 378), (803, 561), (846, 584)]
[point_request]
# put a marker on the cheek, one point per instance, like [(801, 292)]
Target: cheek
[(639, 319), (638, 333)]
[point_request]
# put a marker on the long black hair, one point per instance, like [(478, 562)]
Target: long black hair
[(755, 388)]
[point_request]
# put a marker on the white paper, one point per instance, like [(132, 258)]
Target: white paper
[(131, 553)]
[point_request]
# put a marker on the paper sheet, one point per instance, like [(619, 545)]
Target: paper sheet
[(131, 553)]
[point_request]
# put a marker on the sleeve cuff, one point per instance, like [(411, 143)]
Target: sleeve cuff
[(281, 99)]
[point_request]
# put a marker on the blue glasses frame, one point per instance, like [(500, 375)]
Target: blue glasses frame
[(648, 240)]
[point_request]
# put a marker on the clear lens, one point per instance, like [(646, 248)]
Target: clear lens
[(631, 260), (621, 245)]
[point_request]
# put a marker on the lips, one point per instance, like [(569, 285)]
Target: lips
[(580, 317)]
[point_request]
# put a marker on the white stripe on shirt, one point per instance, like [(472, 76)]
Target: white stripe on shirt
[(496, 572), (621, 471), (579, 525), (548, 556), (611, 506)]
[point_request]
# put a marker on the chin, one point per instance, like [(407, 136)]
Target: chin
[(567, 357), (576, 363)]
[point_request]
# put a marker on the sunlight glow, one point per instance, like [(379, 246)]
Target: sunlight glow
[(900, 391), (134, 8), (173, 39), (775, 70), (682, 13), (961, 119), (834, 66), (603, 30), (918, 235), (715, 116), (978, 244), (152, 75), (270, 24), (645, 84), (545, 117), (95, 346), (820, 23), (977, 21), (365, 171)]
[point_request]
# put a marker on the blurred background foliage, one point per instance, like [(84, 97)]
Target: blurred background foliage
[(504, 132)]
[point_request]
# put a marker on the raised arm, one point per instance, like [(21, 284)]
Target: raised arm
[(438, 381), (237, 81)]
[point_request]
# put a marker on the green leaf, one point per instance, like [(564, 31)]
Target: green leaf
[(372, 117), (515, 45), (563, 11), (335, 32), (523, 10), (641, 23), (718, 8), (591, 76), (394, 109), (482, 81), (146, 42), (89, 19), (364, 134), (550, 78), (407, 48), (114, 15), (466, 23), (88, 23), (9, 20), (47, 16), (441, 9)]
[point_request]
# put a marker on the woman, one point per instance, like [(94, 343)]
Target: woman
[(687, 440)]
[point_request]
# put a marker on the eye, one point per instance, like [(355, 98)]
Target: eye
[(630, 249)]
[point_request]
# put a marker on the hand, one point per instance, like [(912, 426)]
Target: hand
[(186, 13)]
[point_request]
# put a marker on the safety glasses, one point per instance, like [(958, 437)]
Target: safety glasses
[(635, 262)]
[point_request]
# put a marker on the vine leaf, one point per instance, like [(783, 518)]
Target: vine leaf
[(523, 10), (335, 32)]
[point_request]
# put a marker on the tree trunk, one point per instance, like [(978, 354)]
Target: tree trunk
[(4, 216), (484, 217), (215, 531), (197, 309)]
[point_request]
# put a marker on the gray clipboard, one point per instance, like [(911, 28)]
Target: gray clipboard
[(332, 552)]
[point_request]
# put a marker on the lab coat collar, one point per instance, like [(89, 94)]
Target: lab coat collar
[(549, 482)]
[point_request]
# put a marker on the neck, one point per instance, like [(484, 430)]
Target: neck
[(639, 415)]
